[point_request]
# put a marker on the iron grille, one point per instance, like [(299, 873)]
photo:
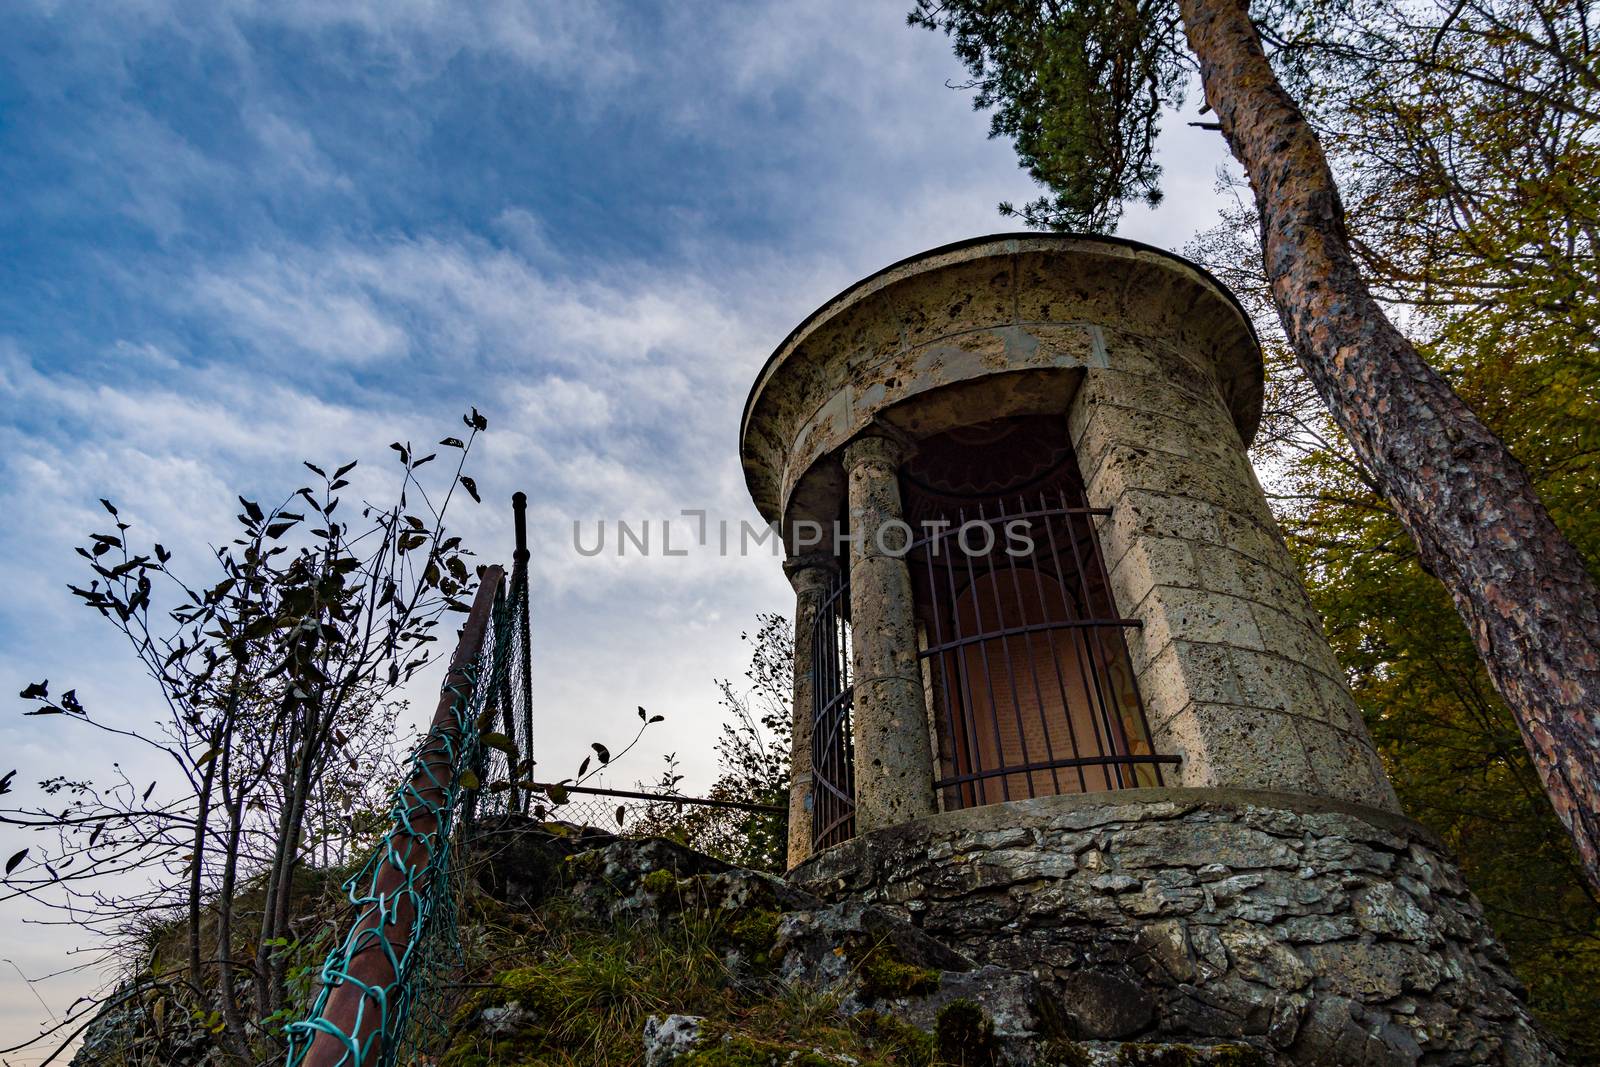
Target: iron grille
[(1030, 684), (833, 789)]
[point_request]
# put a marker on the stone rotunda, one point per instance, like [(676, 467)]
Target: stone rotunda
[(1060, 696)]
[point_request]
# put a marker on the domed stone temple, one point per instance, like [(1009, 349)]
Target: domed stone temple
[(1060, 696)]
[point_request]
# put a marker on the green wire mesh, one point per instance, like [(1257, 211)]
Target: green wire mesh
[(490, 704)]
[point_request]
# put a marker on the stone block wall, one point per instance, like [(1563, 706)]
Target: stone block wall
[(1231, 660), (1336, 935)]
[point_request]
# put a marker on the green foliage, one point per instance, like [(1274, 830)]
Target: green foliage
[(583, 991), (898, 1041), (753, 754), (740, 1050), (1457, 140), (1079, 88), (1059, 1052)]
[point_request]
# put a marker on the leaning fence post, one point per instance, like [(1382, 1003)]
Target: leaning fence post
[(360, 1002)]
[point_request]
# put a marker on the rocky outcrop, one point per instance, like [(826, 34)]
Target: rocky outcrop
[(1336, 936), (883, 973)]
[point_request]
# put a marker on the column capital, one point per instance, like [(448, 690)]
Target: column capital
[(810, 571), (878, 444)]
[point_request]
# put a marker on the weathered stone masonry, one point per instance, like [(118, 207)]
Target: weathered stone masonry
[(1329, 933), (1270, 891)]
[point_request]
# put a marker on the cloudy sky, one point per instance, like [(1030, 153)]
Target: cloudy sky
[(240, 235)]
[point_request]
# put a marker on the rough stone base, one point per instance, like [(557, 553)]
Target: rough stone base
[(1342, 935)]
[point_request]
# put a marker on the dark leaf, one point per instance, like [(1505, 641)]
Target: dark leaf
[(429, 458), (471, 487), (499, 741), (147, 792), (346, 469), (318, 471), (69, 700), (278, 529), (602, 751), (642, 715), (37, 691), (11, 864), (5, 782), (558, 793), (107, 504), (453, 442), (583, 768), (405, 454), (252, 509), (658, 718), (469, 780), (621, 812)]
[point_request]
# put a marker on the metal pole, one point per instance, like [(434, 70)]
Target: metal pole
[(520, 595)]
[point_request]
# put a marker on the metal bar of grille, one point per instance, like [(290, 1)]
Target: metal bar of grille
[(983, 658), (1007, 635), (1101, 688), (832, 749), (666, 798), (1029, 628), (1078, 761)]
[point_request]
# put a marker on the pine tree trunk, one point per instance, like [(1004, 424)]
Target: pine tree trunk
[(1518, 583)]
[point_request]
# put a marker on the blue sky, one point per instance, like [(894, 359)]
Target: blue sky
[(239, 235)]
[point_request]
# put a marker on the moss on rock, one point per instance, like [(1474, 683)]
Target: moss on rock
[(884, 976), (963, 1035), (659, 881), (755, 931)]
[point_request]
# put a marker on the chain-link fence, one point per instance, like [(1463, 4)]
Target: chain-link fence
[(381, 989)]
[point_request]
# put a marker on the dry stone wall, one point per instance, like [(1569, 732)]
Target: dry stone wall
[(1339, 935)]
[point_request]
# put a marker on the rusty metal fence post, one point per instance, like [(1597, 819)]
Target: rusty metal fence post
[(360, 1014)]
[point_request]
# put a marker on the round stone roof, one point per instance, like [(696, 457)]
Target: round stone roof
[(1032, 302)]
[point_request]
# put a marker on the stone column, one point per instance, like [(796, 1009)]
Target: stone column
[(810, 575), (893, 761)]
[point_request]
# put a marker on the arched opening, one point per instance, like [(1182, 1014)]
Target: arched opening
[(1026, 668)]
